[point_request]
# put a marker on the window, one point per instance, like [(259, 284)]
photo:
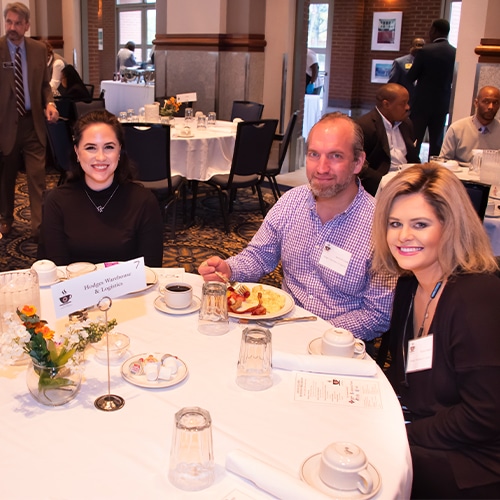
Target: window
[(453, 12), (318, 30), (136, 22)]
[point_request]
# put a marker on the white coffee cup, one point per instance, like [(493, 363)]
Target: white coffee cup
[(343, 466), (46, 270), (341, 342), (177, 295)]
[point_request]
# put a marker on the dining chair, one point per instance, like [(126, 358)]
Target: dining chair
[(61, 145), (251, 154), (83, 107), (247, 110), (90, 89), (478, 193), (275, 162), (148, 146)]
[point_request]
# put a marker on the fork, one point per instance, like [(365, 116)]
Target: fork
[(269, 323), (239, 288)]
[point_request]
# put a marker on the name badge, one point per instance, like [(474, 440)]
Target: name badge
[(408, 65), (335, 258), (420, 354), (8, 65)]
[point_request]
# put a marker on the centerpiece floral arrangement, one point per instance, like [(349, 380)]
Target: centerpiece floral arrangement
[(170, 107)]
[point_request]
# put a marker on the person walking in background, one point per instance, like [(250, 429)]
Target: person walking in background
[(27, 101), (433, 70), (401, 66), (125, 57), (479, 131), (388, 135), (55, 63), (312, 71)]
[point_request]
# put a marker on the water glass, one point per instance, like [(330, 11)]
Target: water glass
[(122, 117), (254, 372), (192, 465), (475, 164), (130, 115), (188, 114), (212, 118), (201, 122), (142, 114), (213, 318), (18, 289), (490, 171)]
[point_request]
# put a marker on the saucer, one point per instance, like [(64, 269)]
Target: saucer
[(161, 306), (60, 276), (315, 348), (309, 473)]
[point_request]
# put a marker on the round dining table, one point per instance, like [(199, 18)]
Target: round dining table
[(77, 451)]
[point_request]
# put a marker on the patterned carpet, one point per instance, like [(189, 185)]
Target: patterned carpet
[(194, 242)]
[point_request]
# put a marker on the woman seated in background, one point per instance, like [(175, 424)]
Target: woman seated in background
[(72, 86), (100, 214), (444, 334)]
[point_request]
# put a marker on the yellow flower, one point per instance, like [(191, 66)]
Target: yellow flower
[(28, 310), (47, 333)]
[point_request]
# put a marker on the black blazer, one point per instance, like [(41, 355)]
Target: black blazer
[(376, 146)]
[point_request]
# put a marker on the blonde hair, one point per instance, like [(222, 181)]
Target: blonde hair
[(464, 244)]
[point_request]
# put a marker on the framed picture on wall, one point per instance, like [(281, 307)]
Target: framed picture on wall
[(381, 69), (386, 30)]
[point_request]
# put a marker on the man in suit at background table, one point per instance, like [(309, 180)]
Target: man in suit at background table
[(388, 135), (433, 70), (479, 131), (22, 127), (401, 66)]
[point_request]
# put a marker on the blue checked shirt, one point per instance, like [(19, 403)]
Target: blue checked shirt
[(360, 301)]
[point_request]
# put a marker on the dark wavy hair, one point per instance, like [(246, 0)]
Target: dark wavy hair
[(125, 172)]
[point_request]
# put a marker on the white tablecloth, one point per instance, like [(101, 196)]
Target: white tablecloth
[(312, 112), (209, 152), (78, 452), (491, 224), (122, 96)]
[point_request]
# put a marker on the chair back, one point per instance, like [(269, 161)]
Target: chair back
[(61, 145), (82, 107), (90, 89), (252, 147), (148, 146), (287, 138), (478, 193), (247, 110)]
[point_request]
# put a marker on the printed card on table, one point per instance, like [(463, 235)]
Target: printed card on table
[(337, 390), (87, 290)]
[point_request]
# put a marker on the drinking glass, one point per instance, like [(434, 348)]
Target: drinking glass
[(254, 372), (490, 171), (212, 118), (213, 317), (192, 464), (18, 289), (188, 114), (122, 117), (201, 122), (130, 115)]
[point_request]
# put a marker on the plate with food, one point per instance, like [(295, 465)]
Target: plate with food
[(154, 370), (261, 301)]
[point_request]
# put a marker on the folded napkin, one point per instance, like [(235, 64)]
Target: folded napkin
[(337, 365), (269, 478)]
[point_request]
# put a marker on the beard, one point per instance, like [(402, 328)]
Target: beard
[(332, 190)]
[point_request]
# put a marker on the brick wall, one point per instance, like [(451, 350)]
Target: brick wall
[(350, 70)]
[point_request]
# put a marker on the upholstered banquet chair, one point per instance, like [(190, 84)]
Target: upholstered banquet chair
[(275, 162), (83, 107), (478, 194), (247, 110), (148, 146), (61, 146), (251, 154), (90, 89)]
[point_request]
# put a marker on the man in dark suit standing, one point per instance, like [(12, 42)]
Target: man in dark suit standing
[(27, 101), (401, 66), (432, 70), (388, 135)]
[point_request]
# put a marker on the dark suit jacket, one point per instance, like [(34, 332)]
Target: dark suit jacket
[(376, 146), (39, 88), (399, 73), (433, 69)]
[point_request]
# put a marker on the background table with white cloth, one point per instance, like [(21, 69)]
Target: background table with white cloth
[(491, 224), (120, 96), (76, 451)]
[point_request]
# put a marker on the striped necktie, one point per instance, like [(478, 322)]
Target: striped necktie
[(21, 107)]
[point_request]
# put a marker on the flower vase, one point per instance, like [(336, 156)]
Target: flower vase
[(54, 386)]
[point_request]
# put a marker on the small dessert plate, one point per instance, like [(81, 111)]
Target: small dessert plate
[(315, 348), (309, 473), (162, 307), (142, 381), (60, 276)]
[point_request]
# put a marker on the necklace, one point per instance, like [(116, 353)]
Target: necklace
[(426, 315), (100, 208)]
